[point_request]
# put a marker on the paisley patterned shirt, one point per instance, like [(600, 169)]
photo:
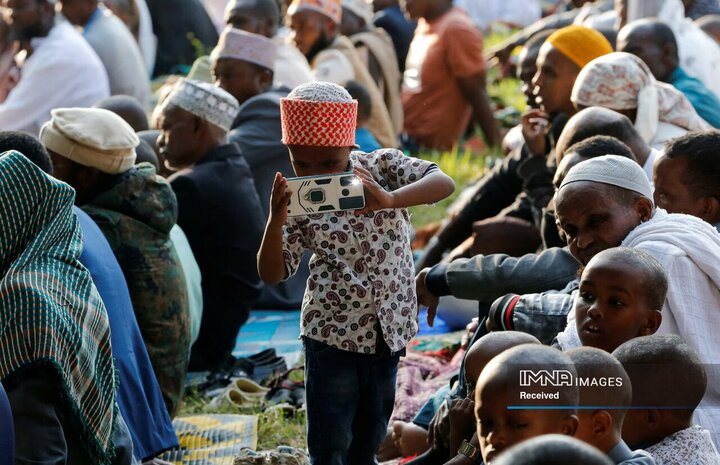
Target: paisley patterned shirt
[(361, 271), (693, 445)]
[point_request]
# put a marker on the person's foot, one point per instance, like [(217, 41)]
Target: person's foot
[(409, 438), (388, 450)]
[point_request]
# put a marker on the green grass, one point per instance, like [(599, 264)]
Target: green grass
[(463, 166)]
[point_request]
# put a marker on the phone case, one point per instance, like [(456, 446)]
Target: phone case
[(326, 193)]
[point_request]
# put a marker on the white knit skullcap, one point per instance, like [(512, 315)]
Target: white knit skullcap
[(613, 170), (204, 100), (321, 92)]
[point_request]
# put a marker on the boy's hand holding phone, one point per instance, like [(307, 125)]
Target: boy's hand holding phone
[(376, 198), (279, 199)]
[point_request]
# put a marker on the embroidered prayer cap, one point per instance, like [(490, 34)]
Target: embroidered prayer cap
[(614, 170), (204, 100), (622, 81), (361, 8), (92, 137), (330, 8), (246, 46), (319, 114), (580, 44)]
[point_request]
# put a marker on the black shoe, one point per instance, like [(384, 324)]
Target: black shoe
[(247, 365), (272, 369)]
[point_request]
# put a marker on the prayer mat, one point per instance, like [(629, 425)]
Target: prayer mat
[(212, 439), (270, 328)]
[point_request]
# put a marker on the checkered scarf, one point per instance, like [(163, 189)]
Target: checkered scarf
[(50, 312)]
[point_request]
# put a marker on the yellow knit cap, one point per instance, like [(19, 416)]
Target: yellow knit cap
[(580, 44)]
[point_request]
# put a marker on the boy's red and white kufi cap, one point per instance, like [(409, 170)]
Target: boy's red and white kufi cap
[(319, 114)]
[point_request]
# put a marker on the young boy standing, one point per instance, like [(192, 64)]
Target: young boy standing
[(360, 308)]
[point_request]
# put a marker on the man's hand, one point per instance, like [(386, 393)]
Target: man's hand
[(535, 125), (425, 298), (376, 198)]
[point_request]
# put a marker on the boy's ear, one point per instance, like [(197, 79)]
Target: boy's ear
[(602, 423), (652, 324), (654, 419), (569, 425)]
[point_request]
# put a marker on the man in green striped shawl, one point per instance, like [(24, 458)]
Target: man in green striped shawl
[(55, 357)]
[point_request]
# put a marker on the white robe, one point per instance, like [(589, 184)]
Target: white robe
[(64, 71), (689, 251)]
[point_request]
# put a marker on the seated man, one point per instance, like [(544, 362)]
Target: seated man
[(57, 366), (601, 421), (115, 46), (219, 210), (263, 17), (444, 86), (654, 42), (93, 150), (498, 187), (606, 202), (243, 64), (687, 177), (661, 420), (487, 277), (59, 55), (333, 58), (497, 388), (138, 393), (377, 52)]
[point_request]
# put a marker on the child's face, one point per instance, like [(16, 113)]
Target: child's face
[(499, 428), (315, 161), (612, 305)]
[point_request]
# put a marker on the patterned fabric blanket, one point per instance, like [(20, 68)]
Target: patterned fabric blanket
[(419, 377), (212, 439)]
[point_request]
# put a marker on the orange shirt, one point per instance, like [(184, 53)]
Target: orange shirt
[(442, 50)]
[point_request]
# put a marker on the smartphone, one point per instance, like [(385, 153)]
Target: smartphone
[(325, 193)]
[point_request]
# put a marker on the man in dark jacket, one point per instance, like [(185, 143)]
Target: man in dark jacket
[(242, 64), (93, 150), (219, 210)]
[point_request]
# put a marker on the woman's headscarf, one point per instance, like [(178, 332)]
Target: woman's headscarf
[(50, 312), (621, 81)]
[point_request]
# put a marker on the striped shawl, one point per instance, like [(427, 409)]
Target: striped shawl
[(50, 311)]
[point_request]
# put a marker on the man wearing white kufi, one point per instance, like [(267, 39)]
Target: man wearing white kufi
[(263, 17), (218, 208), (617, 190), (243, 65)]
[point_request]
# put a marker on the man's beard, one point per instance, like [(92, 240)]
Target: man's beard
[(320, 44)]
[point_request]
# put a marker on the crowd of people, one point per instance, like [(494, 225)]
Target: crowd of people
[(146, 147)]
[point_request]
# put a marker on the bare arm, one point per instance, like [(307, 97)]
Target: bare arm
[(431, 188), (271, 262), (473, 89)]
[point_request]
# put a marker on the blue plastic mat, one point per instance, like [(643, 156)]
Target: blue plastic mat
[(439, 326), (281, 330), (270, 328)]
